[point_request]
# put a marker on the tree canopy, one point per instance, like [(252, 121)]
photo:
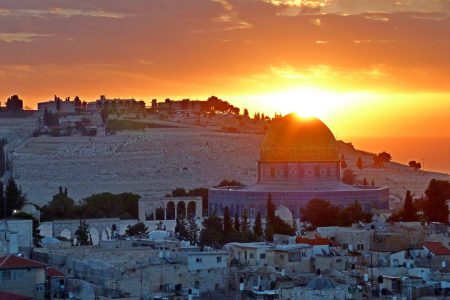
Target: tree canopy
[(104, 205), (321, 213), (381, 158), (437, 193), (348, 177), (137, 229), (14, 103)]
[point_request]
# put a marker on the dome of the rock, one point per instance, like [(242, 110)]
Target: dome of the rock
[(297, 139)]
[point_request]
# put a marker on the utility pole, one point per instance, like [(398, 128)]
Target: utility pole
[(371, 276)]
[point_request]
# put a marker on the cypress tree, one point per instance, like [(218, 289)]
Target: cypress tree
[(244, 223), (192, 230), (257, 228), (14, 197), (237, 223), (409, 213), (227, 225), (359, 163), (270, 220), (82, 234)]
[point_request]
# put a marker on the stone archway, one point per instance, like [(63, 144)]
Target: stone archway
[(106, 234), (170, 211), (94, 235), (181, 210), (191, 209)]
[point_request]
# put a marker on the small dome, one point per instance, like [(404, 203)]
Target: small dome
[(297, 139), (284, 213)]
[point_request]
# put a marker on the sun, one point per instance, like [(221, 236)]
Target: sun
[(305, 102)]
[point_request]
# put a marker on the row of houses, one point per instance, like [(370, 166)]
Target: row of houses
[(67, 106)]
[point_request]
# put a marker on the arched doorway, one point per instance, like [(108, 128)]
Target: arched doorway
[(181, 210), (191, 209), (159, 214), (170, 211)]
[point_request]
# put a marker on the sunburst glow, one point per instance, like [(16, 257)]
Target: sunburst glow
[(307, 102)]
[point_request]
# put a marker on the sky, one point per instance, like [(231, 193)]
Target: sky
[(367, 68)]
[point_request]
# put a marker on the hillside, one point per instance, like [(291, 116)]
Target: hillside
[(397, 177), (154, 161)]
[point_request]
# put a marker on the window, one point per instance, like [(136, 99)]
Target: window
[(303, 254), (198, 260), (252, 255), (39, 287), (197, 284), (262, 256), (281, 256), (219, 259), (6, 275), (17, 274)]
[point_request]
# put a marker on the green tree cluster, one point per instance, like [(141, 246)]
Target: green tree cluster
[(138, 229), (381, 158), (104, 205), (14, 104), (348, 177), (415, 165), (321, 213), (437, 195), (225, 183)]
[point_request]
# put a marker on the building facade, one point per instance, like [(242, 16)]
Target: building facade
[(299, 161)]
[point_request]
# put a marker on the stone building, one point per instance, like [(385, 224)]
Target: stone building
[(299, 161), (22, 276), (16, 236)]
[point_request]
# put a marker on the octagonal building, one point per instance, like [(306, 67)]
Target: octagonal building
[(299, 161)]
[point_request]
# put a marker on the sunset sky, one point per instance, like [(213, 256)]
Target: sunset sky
[(368, 68)]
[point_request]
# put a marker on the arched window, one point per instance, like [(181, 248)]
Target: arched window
[(181, 210), (170, 211)]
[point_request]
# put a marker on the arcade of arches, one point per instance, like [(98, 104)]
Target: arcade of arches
[(170, 208)]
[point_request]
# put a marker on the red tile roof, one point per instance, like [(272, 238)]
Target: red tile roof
[(313, 242), (12, 296), (15, 262), (52, 272), (436, 248)]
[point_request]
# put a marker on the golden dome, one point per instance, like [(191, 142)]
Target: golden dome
[(296, 139)]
